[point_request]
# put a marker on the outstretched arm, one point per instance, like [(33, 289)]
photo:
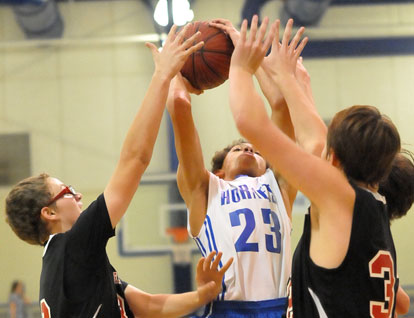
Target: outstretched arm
[(266, 78), (139, 143), (192, 176), (208, 278), (322, 183), (294, 82), (280, 115), (279, 111)]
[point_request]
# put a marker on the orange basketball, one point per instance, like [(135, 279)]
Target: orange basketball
[(209, 66)]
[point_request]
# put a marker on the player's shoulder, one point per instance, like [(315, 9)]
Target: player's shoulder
[(55, 242)]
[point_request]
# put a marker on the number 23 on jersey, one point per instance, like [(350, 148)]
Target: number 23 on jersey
[(273, 241)]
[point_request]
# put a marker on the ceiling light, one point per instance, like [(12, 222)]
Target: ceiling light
[(181, 12)]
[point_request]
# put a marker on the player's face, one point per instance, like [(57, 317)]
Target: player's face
[(68, 207), (243, 159)]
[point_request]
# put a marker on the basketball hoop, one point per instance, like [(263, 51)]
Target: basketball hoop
[(178, 234)]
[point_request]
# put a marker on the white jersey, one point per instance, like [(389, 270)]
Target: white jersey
[(247, 220)]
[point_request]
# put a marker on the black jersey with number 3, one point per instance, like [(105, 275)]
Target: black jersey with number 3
[(364, 285), (77, 279)]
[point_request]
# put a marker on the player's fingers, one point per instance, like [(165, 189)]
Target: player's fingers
[(194, 48), (208, 260), (287, 33), (262, 30), (270, 37), (172, 34), (200, 264), (296, 39), (180, 35), (152, 47), (275, 42), (221, 21), (226, 266), (218, 25), (301, 46), (243, 30), (222, 27), (253, 28), (216, 261), (191, 40)]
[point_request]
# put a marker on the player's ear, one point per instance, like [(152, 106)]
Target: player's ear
[(48, 214), (220, 173), (333, 158)]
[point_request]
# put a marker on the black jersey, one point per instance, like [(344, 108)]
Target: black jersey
[(77, 279), (364, 285)]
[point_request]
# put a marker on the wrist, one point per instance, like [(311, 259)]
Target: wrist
[(161, 77), (206, 293), (241, 70), (286, 80)]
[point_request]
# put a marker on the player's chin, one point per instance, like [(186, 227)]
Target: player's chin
[(250, 172)]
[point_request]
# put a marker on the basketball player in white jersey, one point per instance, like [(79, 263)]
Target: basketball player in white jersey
[(239, 208)]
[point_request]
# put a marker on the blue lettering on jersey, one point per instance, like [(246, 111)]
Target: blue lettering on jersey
[(255, 194), (225, 197), (244, 192), (262, 192), (270, 193), (236, 195)]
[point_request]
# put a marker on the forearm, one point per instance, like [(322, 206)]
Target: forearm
[(281, 118), (280, 113), (137, 149), (310, 130), (175, 305), (268, 87), (187, 144), (245, 103), (140, 139), (145, 305)]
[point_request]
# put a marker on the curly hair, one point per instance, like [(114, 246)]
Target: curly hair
[(219, 156), (365, 143), (23, 205), (398, 188)]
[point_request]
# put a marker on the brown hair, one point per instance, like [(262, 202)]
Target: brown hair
[(365, 142), (23, 206), (219, 156), (398, 188)]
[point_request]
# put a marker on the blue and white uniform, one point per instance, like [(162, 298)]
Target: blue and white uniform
[(246, 219)]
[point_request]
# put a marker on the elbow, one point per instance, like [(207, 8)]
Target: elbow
[(136, 159), (144, 159), (182, 99), (180, 108), (403, 309), (403, 302)]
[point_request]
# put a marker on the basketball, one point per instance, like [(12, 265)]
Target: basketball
[(209, 66)]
